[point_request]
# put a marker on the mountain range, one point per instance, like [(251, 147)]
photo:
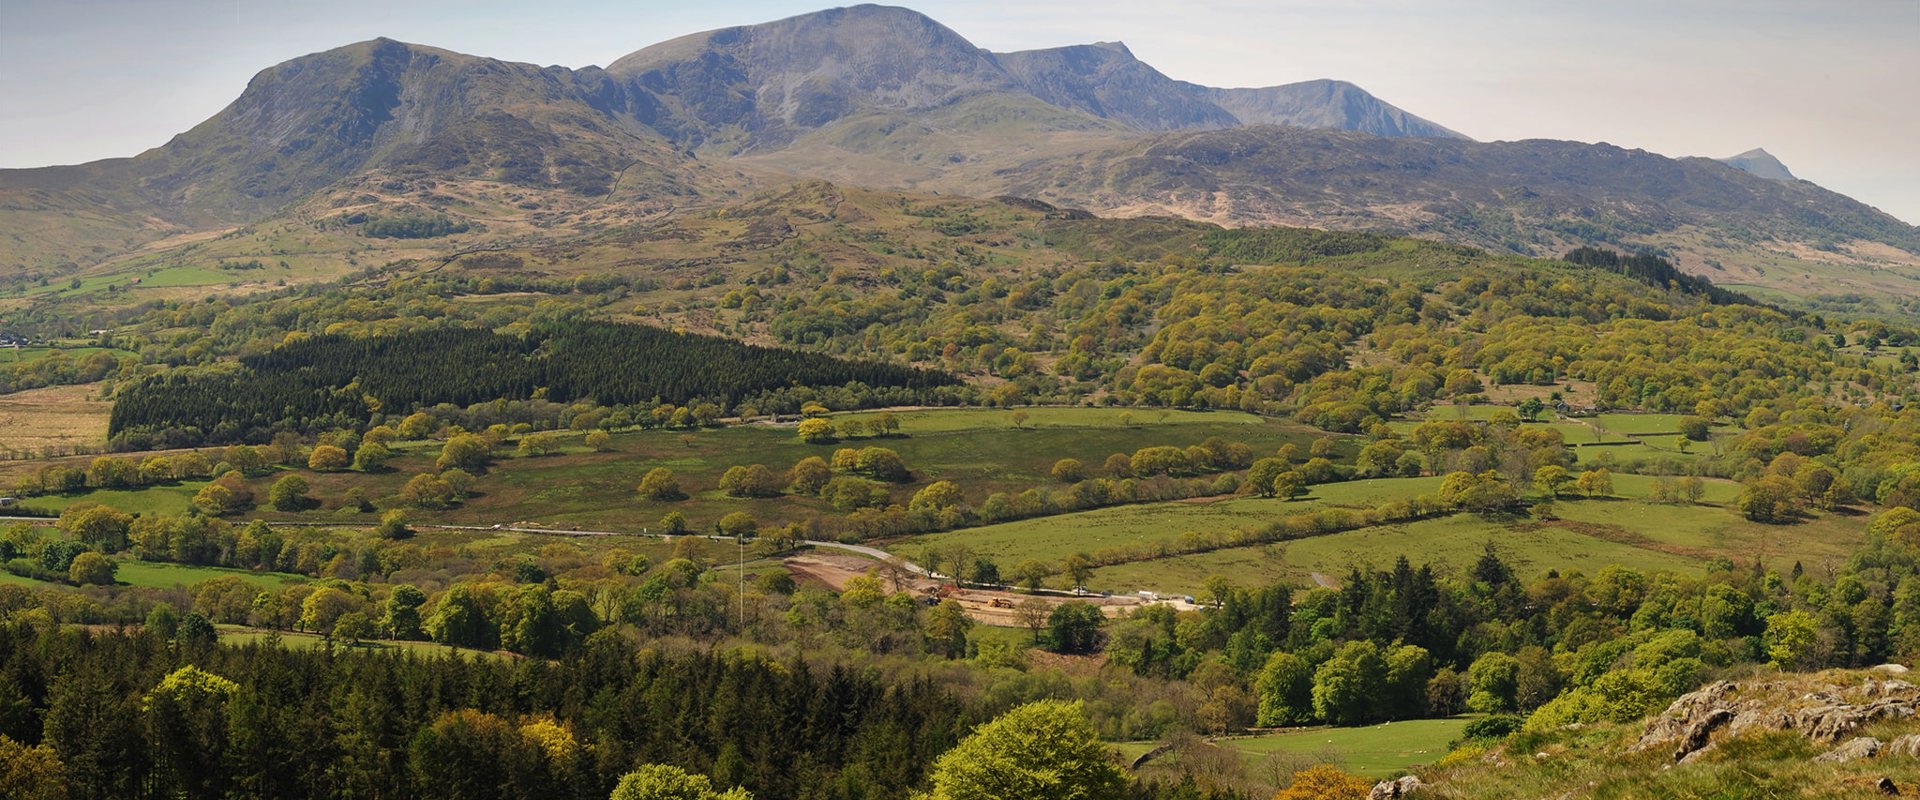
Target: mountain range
[(889, 98)]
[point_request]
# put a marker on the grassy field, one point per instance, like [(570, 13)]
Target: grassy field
[(1375, 751), (1451, 544), (1054, 538), (57, 416), (980, 450), (241, 635), (160, 575), (167, 499), (954, 420)]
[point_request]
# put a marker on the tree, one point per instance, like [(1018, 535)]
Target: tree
[(659, 484), (1078, 568), (289, 494), (1347, 687), (100, 527), (673, 523), (815, 431), (227, 494), (91, 569), (739, 525), (31, 773), (186, 720), (1493, 683), (1595, 482), (466, 451), (946, 629), (352, 627), (1793, 639), (418, 425), (936, 496), (808, 475), (881, 464), (1289, 484), (1551, 480), (393, 525), (1039, 751), (1032, 572), (534, 445), (1769, 498), (1695, 428), (1285, 688), (1033, 614), (401, 617), (665, 782), (1074, 627), (1531, 407), (599, 441), (327, 458), (426, 490), (1261, 475), (1069, 470), (753, 480), (371, 457)]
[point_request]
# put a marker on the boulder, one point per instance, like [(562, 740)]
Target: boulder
[(1388, 790), (1908, 746), (1854, 750)]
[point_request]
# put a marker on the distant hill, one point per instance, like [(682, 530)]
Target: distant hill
[(1536, 197), (1759, 163)]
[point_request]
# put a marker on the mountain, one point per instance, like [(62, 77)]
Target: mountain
[(886, 97), (1536, 197), (767, 82), (1760, 163)]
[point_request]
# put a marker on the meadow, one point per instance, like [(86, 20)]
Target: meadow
[(56, 417), (981, 450)]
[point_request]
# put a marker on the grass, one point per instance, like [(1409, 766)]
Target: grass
[(1375, 751), (1639, 424), (955, 420), (160, 575), (241, 635), (979, 450), (165, 499), (58, 416), (1054, 538)]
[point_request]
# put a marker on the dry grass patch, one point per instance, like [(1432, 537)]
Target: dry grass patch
[(58, 416)]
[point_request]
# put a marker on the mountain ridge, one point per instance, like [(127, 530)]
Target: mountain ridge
[(890, 98)]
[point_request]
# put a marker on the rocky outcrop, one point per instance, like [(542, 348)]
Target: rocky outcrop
[(1827, 714), (1387, 790)]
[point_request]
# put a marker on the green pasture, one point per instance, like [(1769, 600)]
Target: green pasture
[(1376, 751), (241, 635), (162, 575), (163, 499), (977, 419), (1056, 537), (979, 450)]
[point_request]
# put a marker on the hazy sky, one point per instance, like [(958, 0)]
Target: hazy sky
[(1830, 87)]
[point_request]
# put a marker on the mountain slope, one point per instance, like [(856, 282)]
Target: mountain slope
[(1335, 105), (1535, 197), (1105, 80), (770, 81)]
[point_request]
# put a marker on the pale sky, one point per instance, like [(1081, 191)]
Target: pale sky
[(1831, 88)]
